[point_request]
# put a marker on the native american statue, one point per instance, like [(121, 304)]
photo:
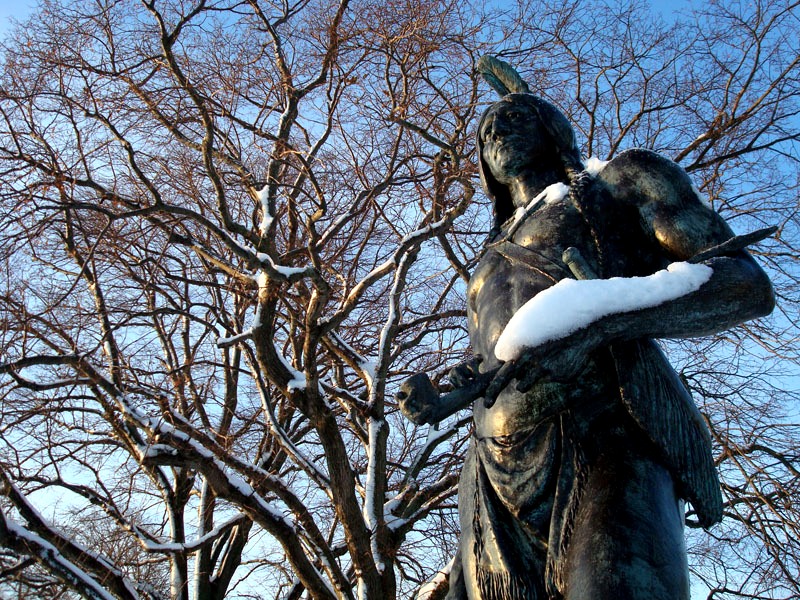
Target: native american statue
[(586, 443)]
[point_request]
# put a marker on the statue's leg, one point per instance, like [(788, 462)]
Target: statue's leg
[(627, 542)]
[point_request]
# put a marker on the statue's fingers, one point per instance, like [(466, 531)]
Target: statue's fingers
[(461, 377), (538, 367), (499, 382), (457, 376), (530, 357), (464, 373), (528, 380)]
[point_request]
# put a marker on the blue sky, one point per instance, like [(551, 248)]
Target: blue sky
[(18, 9)]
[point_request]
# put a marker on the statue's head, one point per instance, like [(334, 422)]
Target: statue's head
[(521, 131)]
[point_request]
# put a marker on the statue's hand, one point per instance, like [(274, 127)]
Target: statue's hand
[(417, 399), (558, 360), (465, 373)]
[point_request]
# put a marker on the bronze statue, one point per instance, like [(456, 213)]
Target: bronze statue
[(584, 447)]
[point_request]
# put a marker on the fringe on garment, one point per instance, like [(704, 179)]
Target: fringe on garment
[(504, 586)]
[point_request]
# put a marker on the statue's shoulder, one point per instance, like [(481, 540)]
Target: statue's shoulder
[(640, 161), (642, 176), (669, 207)]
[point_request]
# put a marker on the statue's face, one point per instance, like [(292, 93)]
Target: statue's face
[(513, 139)]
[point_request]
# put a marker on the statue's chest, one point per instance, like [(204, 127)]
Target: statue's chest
[(552, 229), (515, 270)]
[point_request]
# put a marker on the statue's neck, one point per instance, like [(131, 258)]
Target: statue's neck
[(530, 184)]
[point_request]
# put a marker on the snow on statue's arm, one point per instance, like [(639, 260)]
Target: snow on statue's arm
[(717, 287), (572, 305)]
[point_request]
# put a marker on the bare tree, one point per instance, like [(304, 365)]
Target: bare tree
[(229, 228), (214, 268)]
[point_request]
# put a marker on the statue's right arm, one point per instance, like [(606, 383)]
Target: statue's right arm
[(682, 225)]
